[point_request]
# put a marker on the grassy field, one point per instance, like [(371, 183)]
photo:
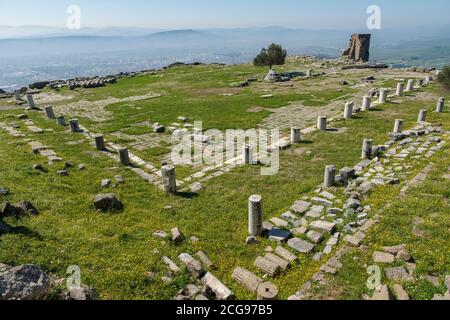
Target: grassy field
[(116, 251)]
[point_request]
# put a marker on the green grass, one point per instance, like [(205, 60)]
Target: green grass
[(114, 251)]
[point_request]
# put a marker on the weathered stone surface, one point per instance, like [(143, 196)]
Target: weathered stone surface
[(382, 293), (300, 206), (19, 209), (403, 255), (251, 240), (193, 266), (358, 48), (106, 183), (205, 260), (398, 274), (383, 257), (400, 293), (279, 222), (394, 249), (324, 226), (172, 266), (300, 245), (26, 282), (107, 202), (314, 236), (267, 291), (285, 254)]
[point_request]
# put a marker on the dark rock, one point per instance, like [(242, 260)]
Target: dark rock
[(27, 207), (39, 167), (107, 202)]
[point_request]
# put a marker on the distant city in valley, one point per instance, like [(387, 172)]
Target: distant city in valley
[(31, 54)]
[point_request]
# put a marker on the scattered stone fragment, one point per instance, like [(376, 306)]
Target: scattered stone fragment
[(119, 179), (403, 255), (267, 266), (398, 274), (395, 249), (383, 257), (107, 202), (40, 168), (382, 293), (172, 266), (314, 236), (400, 293), (161, 234), (285, 254), (324, 226), (62, 173), (247, 279), (193, 266), (251, 240), (205, 260), (300, 245), (177, 236), (279, 222), (300, 206), (106, 183)]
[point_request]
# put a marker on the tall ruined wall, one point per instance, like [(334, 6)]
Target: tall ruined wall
[(359, 48)]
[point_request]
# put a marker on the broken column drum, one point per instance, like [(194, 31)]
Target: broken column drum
[(50, 113), (31, 104), (61, 121), (398, 128), (124, 156), (383, 96), (410, 85), (295, 135), (330, 176), (100, 142), (440, 105), (255, 215), (367, 101), (348, 111), (74, 125), (247, 155), (169, 179), (400, 89), (322, 123), (422, 115), (367, 149)]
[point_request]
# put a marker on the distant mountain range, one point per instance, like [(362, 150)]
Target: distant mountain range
[(34, 53)]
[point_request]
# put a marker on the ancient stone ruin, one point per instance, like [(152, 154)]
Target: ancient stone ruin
[(358, 48)]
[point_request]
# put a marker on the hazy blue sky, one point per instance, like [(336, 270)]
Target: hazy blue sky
[(225, 13)]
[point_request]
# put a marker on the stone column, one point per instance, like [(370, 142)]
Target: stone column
[(50, 113), (255, 216), (422, 116), (440, 105), (31, 104), (124, 157), (428, 79), (61, 121), (398, 128), (367, 101), (99, 142), (17, 95), (348, 111), (383, 96), (169, 179), (410, 85), (322, 123), (330, 176), (367, 149), (74, 125), (295, 135), (400, 89)]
